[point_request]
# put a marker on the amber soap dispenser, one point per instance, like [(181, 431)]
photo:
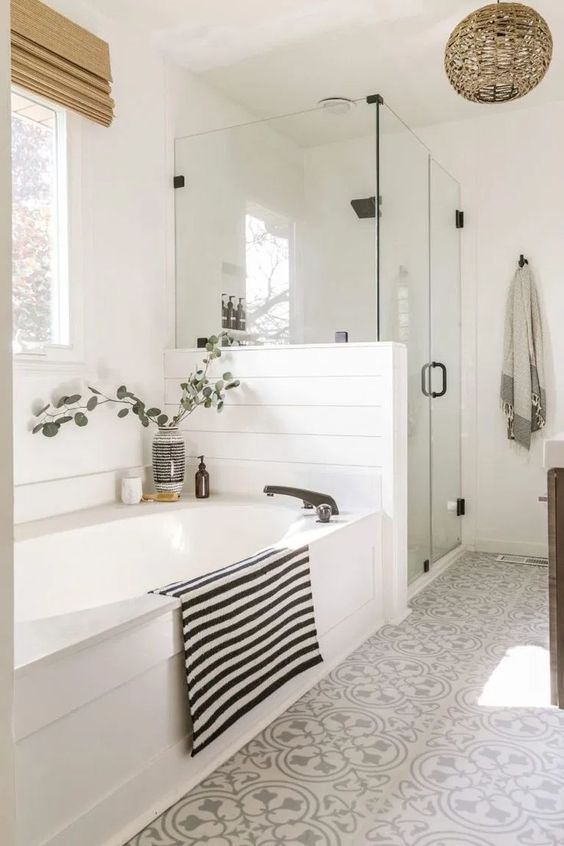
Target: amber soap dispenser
[(202, 480)]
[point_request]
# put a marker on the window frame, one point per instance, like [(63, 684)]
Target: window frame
[(69, 238)]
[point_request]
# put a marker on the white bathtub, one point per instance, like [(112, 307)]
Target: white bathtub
[(101, 714)]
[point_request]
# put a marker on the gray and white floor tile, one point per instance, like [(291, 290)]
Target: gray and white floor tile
[(436, 732)]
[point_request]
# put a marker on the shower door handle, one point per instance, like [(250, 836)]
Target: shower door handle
[(424, 372), (443, 370)]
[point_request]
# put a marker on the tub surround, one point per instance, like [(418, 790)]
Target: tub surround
[(105, 684)]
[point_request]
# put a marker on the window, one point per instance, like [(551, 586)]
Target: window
[(39, 226), (268, 237)]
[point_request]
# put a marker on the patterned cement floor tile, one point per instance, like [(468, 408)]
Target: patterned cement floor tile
[(436, 732)]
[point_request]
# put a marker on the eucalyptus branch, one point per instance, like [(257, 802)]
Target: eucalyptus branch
[(196, 391)]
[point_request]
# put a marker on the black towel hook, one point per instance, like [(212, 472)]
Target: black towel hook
[(522, 260)]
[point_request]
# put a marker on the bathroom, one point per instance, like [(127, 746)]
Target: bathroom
[(296, 192)]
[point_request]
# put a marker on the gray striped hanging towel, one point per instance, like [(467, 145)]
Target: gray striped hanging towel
[(248, 628), (523, 394)]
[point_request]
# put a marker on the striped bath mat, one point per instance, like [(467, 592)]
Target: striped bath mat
[(248, 629)]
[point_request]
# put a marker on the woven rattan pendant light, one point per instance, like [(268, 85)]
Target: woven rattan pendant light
[(498, 53)]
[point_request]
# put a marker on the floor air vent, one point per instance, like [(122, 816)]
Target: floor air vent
[(522, 559)]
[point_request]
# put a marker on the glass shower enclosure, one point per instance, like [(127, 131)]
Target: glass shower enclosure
[(334, 224), (419, 297)]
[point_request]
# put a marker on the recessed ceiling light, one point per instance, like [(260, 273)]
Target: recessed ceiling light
[(337, 105)]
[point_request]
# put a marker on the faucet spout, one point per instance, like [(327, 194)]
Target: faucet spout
[(311, 499)]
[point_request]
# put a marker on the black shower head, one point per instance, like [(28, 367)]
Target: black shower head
[(365, 208)]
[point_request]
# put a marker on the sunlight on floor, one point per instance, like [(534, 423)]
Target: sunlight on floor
[(521, 679)]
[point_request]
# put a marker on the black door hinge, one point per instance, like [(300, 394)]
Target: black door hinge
[(459, 219), (179, 182), (460, 507), (426, 565)]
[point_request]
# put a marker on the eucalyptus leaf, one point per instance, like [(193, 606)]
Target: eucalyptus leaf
[(197, 390), (50, 429)]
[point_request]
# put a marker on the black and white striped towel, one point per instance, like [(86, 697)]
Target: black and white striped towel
[(248, 629)]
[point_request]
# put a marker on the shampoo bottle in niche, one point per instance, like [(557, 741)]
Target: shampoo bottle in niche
[(223, 312), (202, 480), (241, 318), (230, 317)]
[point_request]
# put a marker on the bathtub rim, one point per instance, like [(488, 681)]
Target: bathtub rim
[(141, 608)]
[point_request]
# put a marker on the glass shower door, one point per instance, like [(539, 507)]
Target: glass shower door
[(444, 370), (404, 305)]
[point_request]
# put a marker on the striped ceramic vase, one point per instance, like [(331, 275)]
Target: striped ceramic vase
[(169, 461)]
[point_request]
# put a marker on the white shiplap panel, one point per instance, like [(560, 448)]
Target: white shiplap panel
[(298, 390), (349, 486), (274, 362), (296, 420), (312, 449)]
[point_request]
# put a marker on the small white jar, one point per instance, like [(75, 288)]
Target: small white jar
[(131, 490)]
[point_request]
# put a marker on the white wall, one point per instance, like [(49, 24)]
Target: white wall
[(123, 185), (510, 167), (6, 531)]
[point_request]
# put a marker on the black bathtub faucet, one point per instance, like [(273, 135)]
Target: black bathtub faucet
[(310, 499)]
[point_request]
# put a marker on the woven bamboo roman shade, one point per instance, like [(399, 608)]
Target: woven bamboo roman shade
[(54, 57)]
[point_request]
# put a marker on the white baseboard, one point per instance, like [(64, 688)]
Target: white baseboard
[(538, 550), (438, 567)]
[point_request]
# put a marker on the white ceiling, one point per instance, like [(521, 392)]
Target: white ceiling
[(284, 55)]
